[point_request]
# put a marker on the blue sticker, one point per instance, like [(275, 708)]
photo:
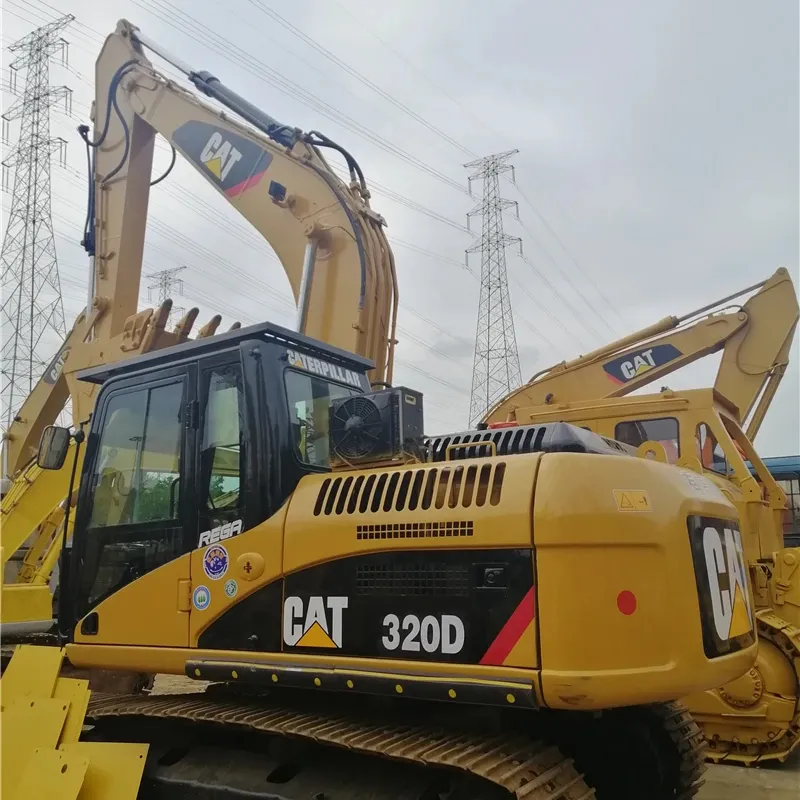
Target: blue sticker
[(215, 561), (231, 587), (201, 597)]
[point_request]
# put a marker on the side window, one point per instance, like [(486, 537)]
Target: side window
[(710, 451), (664, 430), (309, 400), (136, 477), (222, 446)]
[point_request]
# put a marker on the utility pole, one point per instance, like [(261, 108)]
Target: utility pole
[(163, 286), (495, 370), (33, 324)]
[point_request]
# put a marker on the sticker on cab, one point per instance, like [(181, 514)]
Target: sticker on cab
[(215, 562), (231, 588), (201, 597)]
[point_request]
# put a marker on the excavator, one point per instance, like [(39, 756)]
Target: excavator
[(349, 300), (708, 433), (366, 611)]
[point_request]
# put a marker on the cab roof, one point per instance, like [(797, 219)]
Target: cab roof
[(192, 349)]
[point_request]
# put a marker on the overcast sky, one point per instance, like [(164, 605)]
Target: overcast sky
[(658, 163)]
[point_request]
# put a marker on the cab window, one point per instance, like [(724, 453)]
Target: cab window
[(138, 466), (309, 400), (222, 446), (710, 451), (663, 430)]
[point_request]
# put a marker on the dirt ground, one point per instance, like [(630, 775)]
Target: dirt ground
[(780, 782)]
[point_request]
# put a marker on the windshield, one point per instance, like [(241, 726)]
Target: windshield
[(309, 400)]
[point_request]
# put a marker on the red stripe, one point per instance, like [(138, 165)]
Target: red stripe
[(509, 635), (244, 185)]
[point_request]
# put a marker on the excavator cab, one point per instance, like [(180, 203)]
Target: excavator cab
[(178, 458)]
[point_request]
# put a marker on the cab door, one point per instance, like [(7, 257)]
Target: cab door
[(220, 486), (130, 570)]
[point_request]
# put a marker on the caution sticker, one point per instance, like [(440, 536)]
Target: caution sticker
[(632, 500)]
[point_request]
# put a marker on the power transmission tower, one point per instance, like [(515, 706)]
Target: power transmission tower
[(163, 286), (495, 370), (32, 311)]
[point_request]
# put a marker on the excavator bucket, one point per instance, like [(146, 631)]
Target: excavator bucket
[(41, 719)]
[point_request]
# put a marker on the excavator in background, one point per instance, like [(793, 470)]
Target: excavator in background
[(708, 433), (252, 513), (331, 243)]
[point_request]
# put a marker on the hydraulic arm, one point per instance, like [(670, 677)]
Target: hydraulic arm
[(755, 339), (330, 243)]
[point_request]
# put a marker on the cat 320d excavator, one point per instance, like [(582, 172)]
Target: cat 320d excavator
[(710, 432), (252, 511)]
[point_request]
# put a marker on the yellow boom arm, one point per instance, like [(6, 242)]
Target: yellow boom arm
[(755, 339), (330, 242)]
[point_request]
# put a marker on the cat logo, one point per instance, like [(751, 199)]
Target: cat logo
[(316, 622), (641, 362), (219, 156), (233, 162), (53, 371), (631, 365), (727, 583)]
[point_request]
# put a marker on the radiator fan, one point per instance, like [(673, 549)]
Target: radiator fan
[(357, 428)]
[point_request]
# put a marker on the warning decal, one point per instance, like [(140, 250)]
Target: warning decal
[(632, 500)]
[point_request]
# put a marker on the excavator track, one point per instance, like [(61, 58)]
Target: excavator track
[(725, 744), (661, 747), (526, 768)]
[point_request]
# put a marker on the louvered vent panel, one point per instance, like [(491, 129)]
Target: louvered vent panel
[(422, 489), (442, 580), (507, 441)]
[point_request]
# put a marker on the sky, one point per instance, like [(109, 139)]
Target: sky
[(657, 167)]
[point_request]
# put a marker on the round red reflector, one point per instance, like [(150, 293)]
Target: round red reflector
[(626, 602)]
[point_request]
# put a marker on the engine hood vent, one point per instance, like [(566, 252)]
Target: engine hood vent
[(553, 437)]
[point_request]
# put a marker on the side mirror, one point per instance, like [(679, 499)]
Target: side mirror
[(53, 447)]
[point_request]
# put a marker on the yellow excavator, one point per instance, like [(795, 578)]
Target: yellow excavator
[(708, 433), (309, 216), (379, 613)]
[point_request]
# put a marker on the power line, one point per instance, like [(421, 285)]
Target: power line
[(571, 255), (202, 34), (358, 75)]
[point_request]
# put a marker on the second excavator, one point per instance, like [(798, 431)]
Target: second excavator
[(708, 433), (251, 513)]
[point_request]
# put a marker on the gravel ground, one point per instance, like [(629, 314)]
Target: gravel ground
[(780, 782)]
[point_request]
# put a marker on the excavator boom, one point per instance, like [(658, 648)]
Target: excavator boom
[(754, 338), (328, 239)]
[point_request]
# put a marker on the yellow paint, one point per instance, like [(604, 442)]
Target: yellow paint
[(632, 500), (31, 671), (587, 553), (261, 547), (28, 723), (523, 653), (147, 611), (315, 637), (510, 698), (215, 167), (115, 769), (75, 693), (740, 619), (317, 682), (50, 774)]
